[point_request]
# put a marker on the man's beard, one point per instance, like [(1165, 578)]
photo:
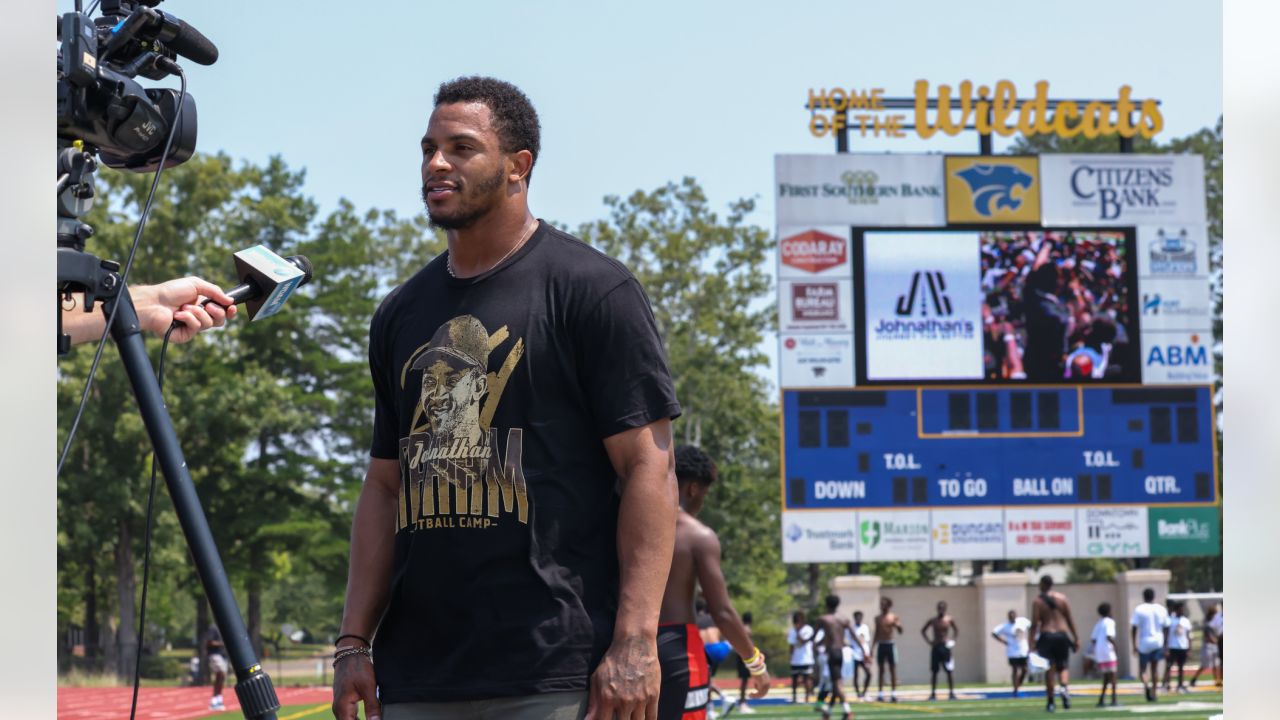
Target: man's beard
[(472, 203)]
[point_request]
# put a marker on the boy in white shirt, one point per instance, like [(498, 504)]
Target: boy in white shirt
[(861, 656), (800, 637), (1013, 635), (1179, 644), (1103, 643), (1148, 629)]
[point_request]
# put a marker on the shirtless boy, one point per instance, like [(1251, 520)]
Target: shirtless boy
[(886, 650), (1050, 623), (686, 680), (945, 633), (830, 635)]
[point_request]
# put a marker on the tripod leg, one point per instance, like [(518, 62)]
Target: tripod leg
[(253, 687)]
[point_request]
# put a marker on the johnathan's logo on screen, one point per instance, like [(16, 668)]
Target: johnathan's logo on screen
[(915, 301), (1173, 254), (924, 312), (814, 251), (454, 472), (1184, 529)]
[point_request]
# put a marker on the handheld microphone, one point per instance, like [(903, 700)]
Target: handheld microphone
[(267, 280)]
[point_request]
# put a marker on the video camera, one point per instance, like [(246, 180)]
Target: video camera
[(99, 102)]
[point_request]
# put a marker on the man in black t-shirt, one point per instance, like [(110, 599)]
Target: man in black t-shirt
[(512, 540)]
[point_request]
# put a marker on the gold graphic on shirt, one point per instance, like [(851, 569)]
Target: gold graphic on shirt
[(452, 474)]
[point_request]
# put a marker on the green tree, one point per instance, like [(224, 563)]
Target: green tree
[(707, 280)]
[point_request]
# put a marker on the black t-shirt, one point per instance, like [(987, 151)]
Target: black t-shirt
[(1047, 321), (495, 393)]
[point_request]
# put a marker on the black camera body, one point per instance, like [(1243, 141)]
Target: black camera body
[(100, 103)]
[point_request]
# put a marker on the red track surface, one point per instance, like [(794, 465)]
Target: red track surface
[(166, 703)]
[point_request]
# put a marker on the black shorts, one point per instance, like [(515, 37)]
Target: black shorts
[(801, 669), (1017, 662), (743, 672), (686, 681), (1056, 648), (887, 652), (939, 658), (1177, 657), (835, 665)]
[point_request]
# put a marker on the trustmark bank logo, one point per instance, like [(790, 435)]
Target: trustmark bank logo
[(813, 251), (794, 533)]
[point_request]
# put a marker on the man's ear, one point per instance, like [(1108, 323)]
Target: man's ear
[(519, 165)]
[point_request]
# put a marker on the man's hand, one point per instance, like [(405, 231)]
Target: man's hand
[(159, 306), (353, 681), (760, 684), (626, 683)]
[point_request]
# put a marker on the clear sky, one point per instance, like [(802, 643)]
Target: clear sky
[(632, 95)]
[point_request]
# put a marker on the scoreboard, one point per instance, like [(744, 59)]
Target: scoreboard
[(965, 446)]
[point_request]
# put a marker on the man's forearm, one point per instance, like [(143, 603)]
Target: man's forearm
[(646, 541), (372, 554)]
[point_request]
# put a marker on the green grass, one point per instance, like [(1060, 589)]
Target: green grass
[(1197, 706)]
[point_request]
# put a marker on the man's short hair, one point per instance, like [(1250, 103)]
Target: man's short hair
[(693, 465), (1105, 609), (857, 613), (1148, 595), (797, 616), (1046, 582), (514, 118), (833, 602), (747, 617)]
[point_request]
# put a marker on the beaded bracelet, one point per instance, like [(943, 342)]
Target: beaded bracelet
[(348, 652)]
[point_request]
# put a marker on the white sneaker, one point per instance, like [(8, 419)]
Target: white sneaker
[(746, 709), (217, 704)]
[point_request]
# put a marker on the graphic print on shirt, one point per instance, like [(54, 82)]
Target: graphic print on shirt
[(452, 472)]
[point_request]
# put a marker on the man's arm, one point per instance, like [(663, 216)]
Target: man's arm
[(706, 557), (1034, 632), (1133, 637), (955, 630), (368, 586), (628, 679), (924, 631), (158, 307), (1071, 623), (995, 634)]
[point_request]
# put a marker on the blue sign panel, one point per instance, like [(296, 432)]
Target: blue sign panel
[(925, 447)]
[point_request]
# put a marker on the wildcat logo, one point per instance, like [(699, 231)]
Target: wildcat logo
[(994, 185), (990, 189)]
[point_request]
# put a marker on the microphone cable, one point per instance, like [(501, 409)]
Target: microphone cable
[(128, 265)]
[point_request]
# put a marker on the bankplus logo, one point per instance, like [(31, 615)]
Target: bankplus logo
[(936, 288), (1184, 529), (870, 533)]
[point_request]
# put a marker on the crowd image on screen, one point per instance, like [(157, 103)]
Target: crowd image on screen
[(1055, 306)]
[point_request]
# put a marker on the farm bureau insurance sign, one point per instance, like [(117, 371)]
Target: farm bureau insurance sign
[(991, 110)]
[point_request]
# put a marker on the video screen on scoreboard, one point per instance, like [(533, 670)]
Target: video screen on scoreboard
[(1005, 306)]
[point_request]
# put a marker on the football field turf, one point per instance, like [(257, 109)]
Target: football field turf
[(1198, 706)]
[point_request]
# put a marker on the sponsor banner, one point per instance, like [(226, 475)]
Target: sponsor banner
[(854, 189), (992, 190), (1177, 358), (923, 306), (1185, 531), (1173, 251), (1122, 189), (1175, 304), (1112, 532), (817, 360), (968, 534), (819, 536), (815, 305), (901, 535), (809, 252), (1039, 532)]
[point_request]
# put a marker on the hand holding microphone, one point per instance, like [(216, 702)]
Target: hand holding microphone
[(266, 281)]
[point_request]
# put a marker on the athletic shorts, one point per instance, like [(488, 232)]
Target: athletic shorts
[(1109, 666), (686, 680), (1149, 658), (1208, 653), (939, 658), (1177, 656), (1017, 662), (217, 664), (887, 652), (1056, 648), (801, 669), (835, 665)]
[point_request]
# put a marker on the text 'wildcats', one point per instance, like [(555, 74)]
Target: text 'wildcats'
[(983, 108)]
